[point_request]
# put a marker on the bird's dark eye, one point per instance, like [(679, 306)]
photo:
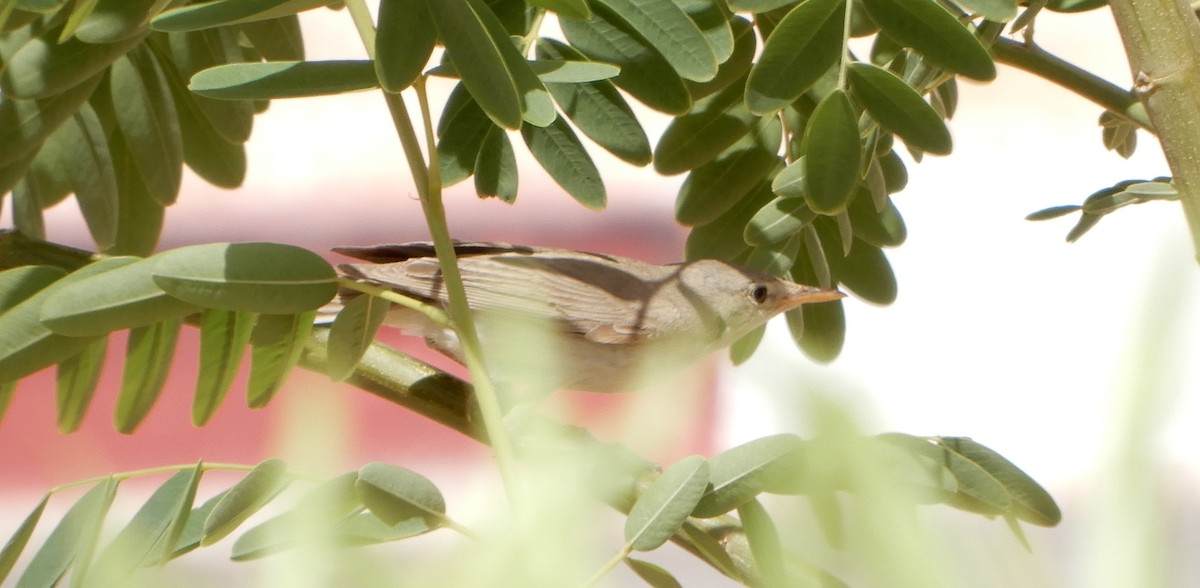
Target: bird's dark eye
[(759, 293)]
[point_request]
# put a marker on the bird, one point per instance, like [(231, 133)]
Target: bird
[(607, 323)]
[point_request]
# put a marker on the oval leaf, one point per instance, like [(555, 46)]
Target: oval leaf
[(929, 28), (134, 544), (779, 219), (72, 540), (404, 42), (207, 15), (247, 277), (76, 384), (832, 154), (645, 73), (741, 473), (561, 154), (244, 499), (148, 355), (123, 298), (461, 131), (276, 344), (669, 30), (899, 109), (352, 333), (223, 338), (715, 187), (666, 504), (496, 167), (805, 44), (697, 137), (395, 494), (479, 59), (597, 109), (284, 79), (20, 538)]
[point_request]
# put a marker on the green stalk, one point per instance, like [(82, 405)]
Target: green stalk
[(1045, 65), (1162, 42), (429, 189)]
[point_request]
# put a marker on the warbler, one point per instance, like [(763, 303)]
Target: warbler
[(616, 323)]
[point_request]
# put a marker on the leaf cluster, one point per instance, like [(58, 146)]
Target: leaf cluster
[(382, 503), (258, 295)]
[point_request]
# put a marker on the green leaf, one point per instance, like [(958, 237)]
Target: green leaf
[(653, 575), (16, 544), (25, 124), (776, 259), (7, 391), (937, 34), (645, 73), (597, 109), (712, 19), (576, 9), (27, 215), (1053, 212), (277, 39), (268, 278), (148, 356), (1030, 502), (78, 377), (789, 182), (223, 338), (669, 30), (723, 237), (226, 12), (898, 108), (666, 504), (716, 123), (89, 167), (764, 543), (884, 228), (366, 529), (867, 273), (561, 154), (778, 220), (139, 214), (326, 505), (19, 283), (805, 44), (394, 494), (741, 473), (352, 333), (496, 167), (403, 43), (713, 188), (461, 131), (26, 345), (72, 540), (276, 345), (122, 298), (43, 68), (745, 45), (188, 536), (149, 123), (819, 329), (191, 53), (479, 59), (832, 154), (166, 507), (757, 5), (284, 79), (993, 10), (251, 493), (537, 108), (111, 21), (744, 348)]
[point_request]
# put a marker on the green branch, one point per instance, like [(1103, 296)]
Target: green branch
[(1035, 60), (1162, 41)]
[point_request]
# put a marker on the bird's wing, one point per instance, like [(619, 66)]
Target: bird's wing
[(598, 297)]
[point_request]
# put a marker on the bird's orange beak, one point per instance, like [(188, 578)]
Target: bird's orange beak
[(801, 294)]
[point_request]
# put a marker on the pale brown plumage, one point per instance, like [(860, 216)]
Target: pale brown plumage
[(610, 312)]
